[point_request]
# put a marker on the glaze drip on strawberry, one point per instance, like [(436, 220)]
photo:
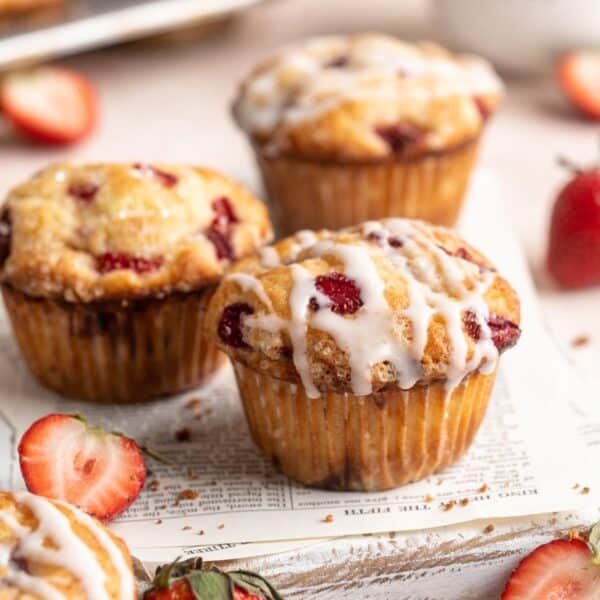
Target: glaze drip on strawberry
[(112, 261), (167, 179), (86, 192), (472, 325), (230, 324), (462, 252), (221, 228), (5, 236), (342, 291), (400, 136)]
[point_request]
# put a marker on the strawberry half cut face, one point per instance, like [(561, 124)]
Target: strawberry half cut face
[(63, 458)]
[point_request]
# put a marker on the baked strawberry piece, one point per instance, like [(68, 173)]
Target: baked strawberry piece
[(64, 458), (574, 248), (565, 569), (189, 581), (50, 104)]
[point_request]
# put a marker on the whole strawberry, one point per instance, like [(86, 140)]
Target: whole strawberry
[(566, 569), (189, 581), (574, 249)]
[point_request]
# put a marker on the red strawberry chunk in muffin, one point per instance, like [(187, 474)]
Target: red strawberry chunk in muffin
[(220, 230), (5, 236), (86, 192), (400, 136), (230, 324), (111, 261), (343, 292), (167, 179)]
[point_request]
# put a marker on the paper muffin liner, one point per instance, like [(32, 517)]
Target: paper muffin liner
[(375, 442), (308, 194), (115, 352)]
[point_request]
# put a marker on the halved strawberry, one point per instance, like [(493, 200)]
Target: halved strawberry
[(51, 104), (561, 569), (190, 581), (578, 74), (64, 458)]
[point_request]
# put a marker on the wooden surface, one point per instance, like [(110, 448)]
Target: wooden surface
[(170, 102)]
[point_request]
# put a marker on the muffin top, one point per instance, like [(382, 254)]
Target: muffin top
[(395, 302), (119, 231), (50, 549), (364, 97)]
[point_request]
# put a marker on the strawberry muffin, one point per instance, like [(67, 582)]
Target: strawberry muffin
[(107, 269), (50, 549), (366, 126), (365, 358)]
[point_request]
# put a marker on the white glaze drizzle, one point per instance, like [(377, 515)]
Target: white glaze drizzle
[(374, 63), (72, 553), (447, 286)]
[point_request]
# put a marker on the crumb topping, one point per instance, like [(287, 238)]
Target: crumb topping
[(366, 96), (118, 231)]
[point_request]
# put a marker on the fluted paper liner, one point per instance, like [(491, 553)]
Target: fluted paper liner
[(112, 352), (308, 194), (375, 442)]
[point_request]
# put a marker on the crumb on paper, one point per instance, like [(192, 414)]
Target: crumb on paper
[(448, 505), (328, 519), (439, 482), (162, 507), (392, 535), (192, 475), (154, 485), (428, 498), (158, 522), (580, 340), (575, 534), (183, 435), (464, 501), (188, 494), (506, 483), (585, 490), (186, 528), (221, 526), (200, 532), (193, 402), (488, 528), (484, 488), (576, 486)]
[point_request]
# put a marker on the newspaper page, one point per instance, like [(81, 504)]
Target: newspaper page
[(217, 492)]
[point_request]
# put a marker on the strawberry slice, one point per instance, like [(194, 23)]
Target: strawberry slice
[(50, 104), (561, 569), (64, 458), (578, 74)]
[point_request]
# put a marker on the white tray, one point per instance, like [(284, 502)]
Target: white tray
[(86, 24)]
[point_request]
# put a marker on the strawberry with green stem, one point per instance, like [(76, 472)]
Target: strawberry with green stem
[(190, 581)]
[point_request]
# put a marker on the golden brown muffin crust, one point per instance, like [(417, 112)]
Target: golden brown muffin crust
[(49, 544), (114, 231), (392, 302), (366, 97)]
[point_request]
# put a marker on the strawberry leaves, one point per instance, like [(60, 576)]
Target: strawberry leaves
[(190, 579)]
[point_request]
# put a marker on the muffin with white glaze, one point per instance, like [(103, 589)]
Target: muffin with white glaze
[(365, 358), (107, 269), (366, 126), (50, 549)]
